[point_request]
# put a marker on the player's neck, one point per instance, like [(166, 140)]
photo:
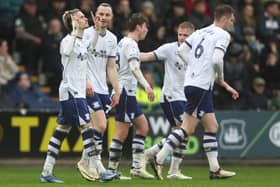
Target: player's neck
[(219, 24), (103, 31), (133, 35), (79, 34)]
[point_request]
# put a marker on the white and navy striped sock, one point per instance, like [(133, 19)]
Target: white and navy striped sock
[(173, 141), (88, 142), (53, 149), (138, 144), (115, 154), (210, 147), (152, 151), (177, 157)]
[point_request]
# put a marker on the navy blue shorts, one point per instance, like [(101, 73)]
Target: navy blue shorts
[(128, 108), (98, 102), (173, 111), (73, 112), (199, 101)]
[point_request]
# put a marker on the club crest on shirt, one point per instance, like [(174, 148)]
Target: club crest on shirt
[(82, 56)]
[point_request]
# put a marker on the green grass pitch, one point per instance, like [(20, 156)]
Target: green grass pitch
[(246, 177)]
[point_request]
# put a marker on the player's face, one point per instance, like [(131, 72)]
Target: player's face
[(82, 20), (229, 21), (143, 31), (106, 15), (183, 33)]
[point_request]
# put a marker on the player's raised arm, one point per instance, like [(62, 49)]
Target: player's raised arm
[(97, 25), (148, 56), (75, 24), (71, 25)]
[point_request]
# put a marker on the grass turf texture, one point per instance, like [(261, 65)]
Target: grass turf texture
[(253, 176)]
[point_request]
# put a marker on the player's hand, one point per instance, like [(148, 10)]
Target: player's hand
[(96, 21), (89, 89), (150, 93), (115, 99), (75, 25), (234, 93)]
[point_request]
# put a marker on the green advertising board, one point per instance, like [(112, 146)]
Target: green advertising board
[(249, 134)]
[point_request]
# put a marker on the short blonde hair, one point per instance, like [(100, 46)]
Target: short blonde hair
[(67, 21), (186, 25)]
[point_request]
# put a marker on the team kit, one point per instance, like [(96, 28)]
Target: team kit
[(192, 64)]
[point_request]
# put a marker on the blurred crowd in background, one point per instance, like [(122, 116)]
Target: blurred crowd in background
[(31, 31)]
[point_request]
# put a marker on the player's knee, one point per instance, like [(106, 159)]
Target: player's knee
[(190, 131), (212, 128), (101, 127), (143, 130), (121, 136)]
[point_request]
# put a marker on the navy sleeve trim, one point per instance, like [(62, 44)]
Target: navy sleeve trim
[(133, 58), (155, 55), (220, 49), (188, 44)]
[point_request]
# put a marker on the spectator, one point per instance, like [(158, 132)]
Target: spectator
[(268, 23), (121, 16), (255, 48), (148, 9), (29, 27), (271, 71), (86, 6), (142, 96), (236, 73), (55, 10), (175, 17), (9, 9), (8, 67), (257, 98), (162, 8), (28, 95), (198, 16), (148, 12), (247, 17), (51, 56), (8, 70), (271, 46), (275, 102)]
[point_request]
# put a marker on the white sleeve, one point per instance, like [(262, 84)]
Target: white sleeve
[(218, 54), (134, 66), (112, 51), (67, 45), (161, 53), (132, 52), (223, 42), (218, 62)]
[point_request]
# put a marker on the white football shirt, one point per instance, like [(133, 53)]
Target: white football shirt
[(173, 85), (74, 69), (127, 50), (105, 48), (200, 71)]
